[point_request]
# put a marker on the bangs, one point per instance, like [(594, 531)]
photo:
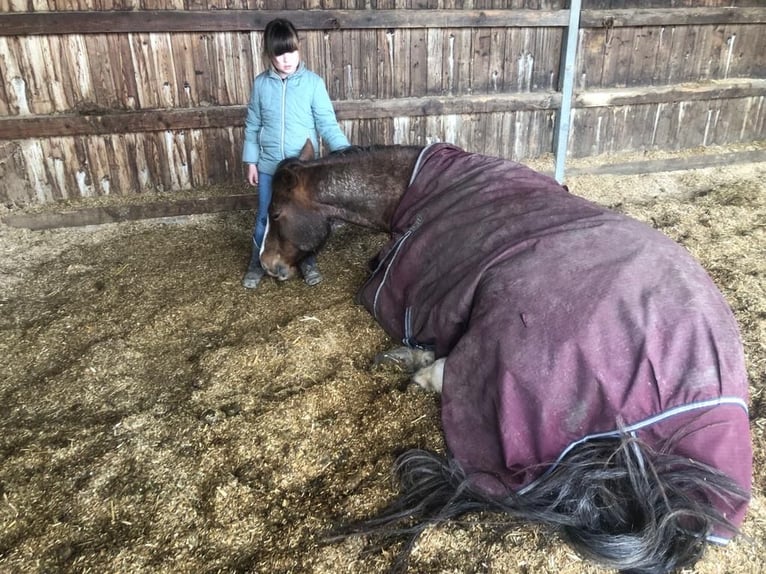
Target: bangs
[(279, 37), (283, 45)]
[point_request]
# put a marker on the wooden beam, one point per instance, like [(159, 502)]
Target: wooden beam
[(110, 122), (169, 21), (176, 208), (100, 122), (439, 106), (117, 213), (671, 17), (163, 21), (672, 164), (713, 90)]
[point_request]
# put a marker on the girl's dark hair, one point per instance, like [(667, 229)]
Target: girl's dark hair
[(279, 37), (617, 502)]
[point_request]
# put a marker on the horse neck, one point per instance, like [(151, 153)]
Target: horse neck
[(366, 190)]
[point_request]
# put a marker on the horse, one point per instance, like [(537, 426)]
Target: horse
[(592, 375)]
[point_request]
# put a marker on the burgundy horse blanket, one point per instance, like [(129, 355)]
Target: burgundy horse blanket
[(560, 320)]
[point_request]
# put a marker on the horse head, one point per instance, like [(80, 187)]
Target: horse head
[(296, 225)]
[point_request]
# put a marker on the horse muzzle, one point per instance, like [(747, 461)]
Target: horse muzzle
[(278, 269)]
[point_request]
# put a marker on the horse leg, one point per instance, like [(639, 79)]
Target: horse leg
[(407, 358), (427, 373)]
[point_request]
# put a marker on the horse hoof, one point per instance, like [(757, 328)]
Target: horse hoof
[(310, 271), (407, 358), (313, 277)]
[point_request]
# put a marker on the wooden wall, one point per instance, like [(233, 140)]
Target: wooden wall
[(103, 97)]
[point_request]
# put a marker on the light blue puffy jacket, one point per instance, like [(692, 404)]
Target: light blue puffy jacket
[(283, 114)]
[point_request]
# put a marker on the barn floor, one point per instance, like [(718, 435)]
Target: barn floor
[(156, 417)]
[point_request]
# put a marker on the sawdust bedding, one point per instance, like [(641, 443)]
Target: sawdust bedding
[(156, 417)]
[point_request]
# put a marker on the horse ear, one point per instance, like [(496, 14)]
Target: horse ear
[(285, 178), (307, 152)]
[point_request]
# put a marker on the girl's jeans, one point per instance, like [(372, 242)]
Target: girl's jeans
[(262, 217)]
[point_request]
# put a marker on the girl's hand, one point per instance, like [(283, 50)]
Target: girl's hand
[(252, 174)]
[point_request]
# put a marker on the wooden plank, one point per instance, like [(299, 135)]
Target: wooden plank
[(352, 64), (124, 78), (205, 81), (547, 51), (115, 214), (435, 73), (504, 132), (400, 41), (496, 61), (418, 63), (52, 23), (463, 63), (336, 76), (369, 75), (312, 50), (102, 70), (643, 61), (754, 63), (624, 43), (682, 54), (590, 58), (384, 69), (481, 75), (121, 165), (237, 66), (607, 61)]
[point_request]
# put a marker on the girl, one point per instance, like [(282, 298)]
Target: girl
[(289, 104)]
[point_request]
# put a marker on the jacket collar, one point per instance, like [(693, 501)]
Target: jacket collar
[(273, 73)]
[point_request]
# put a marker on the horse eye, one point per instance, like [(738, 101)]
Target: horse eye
[(275, 215)]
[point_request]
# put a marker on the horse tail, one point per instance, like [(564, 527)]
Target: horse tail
[(616, 501)]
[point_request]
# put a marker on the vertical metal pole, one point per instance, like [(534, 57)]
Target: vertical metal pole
[(567, 90)]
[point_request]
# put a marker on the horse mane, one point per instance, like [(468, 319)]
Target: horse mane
[(616, 501), (351, 150)]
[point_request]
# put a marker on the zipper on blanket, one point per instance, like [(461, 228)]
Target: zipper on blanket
[(388, 261), (409, 337), (408, 340), (634, 428)]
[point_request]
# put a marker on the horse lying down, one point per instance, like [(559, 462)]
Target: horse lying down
[(592, 375)]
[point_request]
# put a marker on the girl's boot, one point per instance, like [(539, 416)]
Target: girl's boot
[(254, 272)]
